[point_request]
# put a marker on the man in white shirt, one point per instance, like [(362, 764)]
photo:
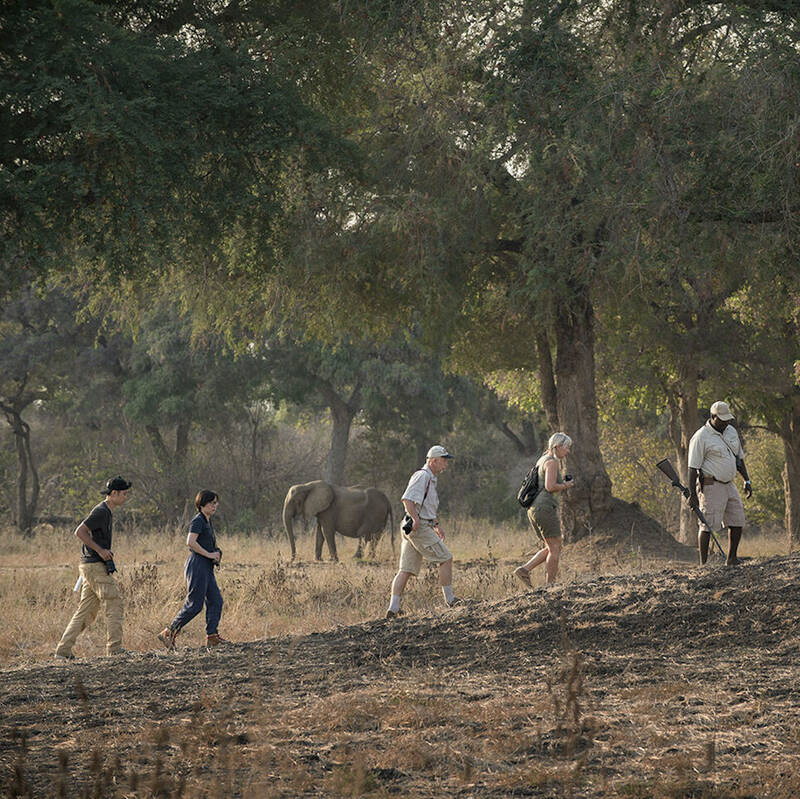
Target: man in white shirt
[(715, 455), (425, 539)]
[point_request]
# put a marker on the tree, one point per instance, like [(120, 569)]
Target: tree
[(490, 205), (135, 136), (525, 158), (40, 345), (174, 381), (668, 340), (393, 387), (768, 383), (711, 232)]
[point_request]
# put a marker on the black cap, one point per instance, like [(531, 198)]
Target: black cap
[(117, 483)]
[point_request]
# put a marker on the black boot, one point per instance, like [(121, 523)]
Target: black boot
[(734, 536), (705, 540)]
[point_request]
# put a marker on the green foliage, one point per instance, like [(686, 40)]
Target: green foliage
[(633, 442), (171, 379), (765, 462), (352, 196), (38, 339), (133, 143)]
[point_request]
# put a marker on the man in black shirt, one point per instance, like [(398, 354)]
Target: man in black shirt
[(98, 586)]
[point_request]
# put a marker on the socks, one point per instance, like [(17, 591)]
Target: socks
[(394, 603), (449, 596)]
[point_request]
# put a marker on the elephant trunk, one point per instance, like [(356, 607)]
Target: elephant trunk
[(288, 516)]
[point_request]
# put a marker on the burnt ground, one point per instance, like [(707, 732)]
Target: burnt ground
[(681, 682)]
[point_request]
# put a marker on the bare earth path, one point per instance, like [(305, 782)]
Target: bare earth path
[(676, 684)]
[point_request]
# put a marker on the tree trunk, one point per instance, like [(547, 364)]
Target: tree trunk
[(342, 416), (26, 506), (791, 473), (683, 423), (173, 466), (527, 442), (530, 435), (182, 443), (547, 382), (159, 448), (590, 499)]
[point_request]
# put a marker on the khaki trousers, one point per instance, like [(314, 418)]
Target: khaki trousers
[(97, 590)]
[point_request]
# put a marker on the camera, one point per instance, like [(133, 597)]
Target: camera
[(217, 562), (110, 567), (407, 525), (568, 477)]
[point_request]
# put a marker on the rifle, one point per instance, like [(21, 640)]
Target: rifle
[(666, 467)]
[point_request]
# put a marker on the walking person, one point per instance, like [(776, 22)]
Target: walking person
[(423, 539), (715, 455), (98, 587), (544, 513), (201, 583)]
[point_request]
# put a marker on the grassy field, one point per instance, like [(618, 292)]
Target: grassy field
[(265, 594), (670, 682)]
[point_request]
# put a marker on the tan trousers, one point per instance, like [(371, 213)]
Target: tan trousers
[(97, 590)]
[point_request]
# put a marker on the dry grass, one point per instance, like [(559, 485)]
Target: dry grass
[(490, 704), (265, 594)]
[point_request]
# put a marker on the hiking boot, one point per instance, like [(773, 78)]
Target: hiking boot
[(522, 573), (59, 656), (456, 602), (393, 614), (215, 639), (167, 637)]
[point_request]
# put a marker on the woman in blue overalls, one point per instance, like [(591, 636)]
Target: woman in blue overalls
[(200, 579)]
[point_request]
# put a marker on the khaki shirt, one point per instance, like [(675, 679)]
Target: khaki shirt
[(715, 453), (415, 491)]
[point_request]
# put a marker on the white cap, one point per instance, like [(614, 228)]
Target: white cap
[(438, 451), (721, 411)]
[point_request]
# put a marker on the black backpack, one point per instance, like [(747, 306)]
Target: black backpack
[(529, 488)]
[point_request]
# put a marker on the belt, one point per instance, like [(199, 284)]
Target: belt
[(429, 521), (707, 478)]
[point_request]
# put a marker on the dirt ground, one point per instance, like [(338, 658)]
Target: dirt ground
[(677, 683)]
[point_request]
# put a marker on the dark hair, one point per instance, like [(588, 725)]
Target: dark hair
[(203, 498)]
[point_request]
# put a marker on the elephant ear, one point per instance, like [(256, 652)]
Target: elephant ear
[(318, 498)]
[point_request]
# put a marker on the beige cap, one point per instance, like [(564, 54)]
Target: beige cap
[(438, 451), (721, 411)]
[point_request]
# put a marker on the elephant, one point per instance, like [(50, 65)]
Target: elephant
[(353, 511)]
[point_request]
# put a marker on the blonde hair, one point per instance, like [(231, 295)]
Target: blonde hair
[(558, 440)]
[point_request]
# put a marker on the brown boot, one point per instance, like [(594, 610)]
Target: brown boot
[(214, 640), (523, 574), (167, 637)]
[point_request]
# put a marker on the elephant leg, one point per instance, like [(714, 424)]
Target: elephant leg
[(360, 551), (366, 533), (318, 543), (330, 538)]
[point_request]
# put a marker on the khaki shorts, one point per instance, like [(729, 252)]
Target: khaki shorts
[(420, 545), (721, 505), (545, 521)]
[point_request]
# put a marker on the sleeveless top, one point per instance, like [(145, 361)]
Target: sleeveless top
[(545, 499)]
